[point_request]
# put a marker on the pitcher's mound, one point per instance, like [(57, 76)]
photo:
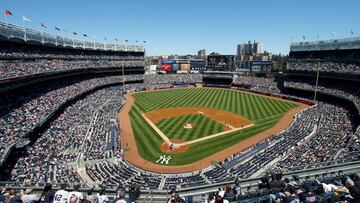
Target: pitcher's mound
[(174, 148), (189, 126)]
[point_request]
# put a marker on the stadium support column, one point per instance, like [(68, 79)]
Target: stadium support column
[(317, 81)]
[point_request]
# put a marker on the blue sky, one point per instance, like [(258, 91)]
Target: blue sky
[(185, 26)]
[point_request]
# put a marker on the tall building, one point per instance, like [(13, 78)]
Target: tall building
[(249, 48), (202, 54), (257, 48), (240, 50)]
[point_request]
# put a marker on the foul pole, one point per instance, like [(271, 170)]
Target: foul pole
[(317, 81)]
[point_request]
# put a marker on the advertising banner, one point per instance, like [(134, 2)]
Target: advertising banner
[(185, 67), (166, 67)]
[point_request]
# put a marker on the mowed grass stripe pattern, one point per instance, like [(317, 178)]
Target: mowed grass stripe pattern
[(250, 106), (263, 112), (203, 126)]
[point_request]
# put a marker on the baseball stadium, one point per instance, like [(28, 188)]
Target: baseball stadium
[(90, 121)]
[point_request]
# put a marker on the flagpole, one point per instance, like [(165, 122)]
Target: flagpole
[(6, 19), (7, 26), (42, 36), (24, 29), (73, 38)]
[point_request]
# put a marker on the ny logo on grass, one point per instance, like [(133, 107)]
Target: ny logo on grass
[(164, 159)]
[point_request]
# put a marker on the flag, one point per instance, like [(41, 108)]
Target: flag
[(303, 37), (85, 35), (144, 41), (26, 19), (43, 25), (7, 12), (126, 40), (116, 39), (137, 41), (58, 29), (317, 36), (333, 33), (74, 33), (105, 38), (352, 32)]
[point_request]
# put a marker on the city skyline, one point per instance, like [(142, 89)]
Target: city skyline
[(184, 27)]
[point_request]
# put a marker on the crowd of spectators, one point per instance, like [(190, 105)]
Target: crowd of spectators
[(109, 174), (11, 50), (69, 194), (260, 84), (52, 157), (323, 147), (103, 132), (173, 79), (10, 68), (19, 59), (333, 187), (19, 116), (329, 187), (339, 89), (347, 68)]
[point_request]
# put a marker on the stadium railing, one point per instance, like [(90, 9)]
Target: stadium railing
[(10, 31), (333, 44)]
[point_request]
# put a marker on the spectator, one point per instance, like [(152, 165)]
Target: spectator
[(307, 196), (102, 198), (355, 194), (134, 193), (61, 196), (120, 198), (2, 195), (291, 196), (75, 196), (29, 197)]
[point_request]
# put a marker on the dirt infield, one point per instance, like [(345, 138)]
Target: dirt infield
[(166, 148), (220, 116), (132, 156)]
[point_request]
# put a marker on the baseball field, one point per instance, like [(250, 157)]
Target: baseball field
[(193, 124)]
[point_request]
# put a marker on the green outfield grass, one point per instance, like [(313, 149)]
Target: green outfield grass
[(174, 127), (263, 112)]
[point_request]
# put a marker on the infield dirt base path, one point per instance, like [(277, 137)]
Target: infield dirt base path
[(133, 156)]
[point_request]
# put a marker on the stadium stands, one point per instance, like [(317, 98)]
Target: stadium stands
[(81, 145)]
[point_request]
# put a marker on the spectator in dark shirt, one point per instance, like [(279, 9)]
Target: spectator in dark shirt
[(307, 196), (355, 194), (264, 183), (277, 182), (134, 193), (291, 196)]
